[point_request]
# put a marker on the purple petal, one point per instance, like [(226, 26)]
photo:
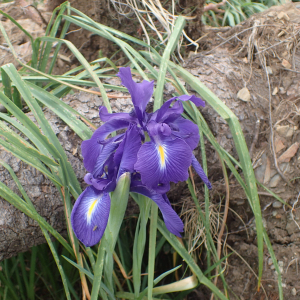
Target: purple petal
[(197, 101), (104, 155), (126, 154), (171, 219), (140, 92), (105, 116), (91, 148), (187, 130), (104, 184), (173, 113), (165, 111), (163, 161), (155, 128), (90, 215), (88, 178), (196, 165)]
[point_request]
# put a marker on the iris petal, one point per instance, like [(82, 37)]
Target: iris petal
[(90, 215), (140, 92), (162, 112), (171, 219), (163, 161), (187, 130), (126, 154), (104, 155), (196, 165), (91, 148), (105, 116)]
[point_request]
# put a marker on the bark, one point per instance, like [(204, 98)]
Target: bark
[(17, 231)]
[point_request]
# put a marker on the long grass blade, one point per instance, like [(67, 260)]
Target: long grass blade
[(65, 112), (173, 40)]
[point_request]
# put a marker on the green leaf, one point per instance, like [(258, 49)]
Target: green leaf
[(172, 42), (119, 199), (65, 112), (140, 241)]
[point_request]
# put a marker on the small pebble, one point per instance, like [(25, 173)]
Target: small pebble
[(294, 291), (280, 263), (277, 204), (270, 261)]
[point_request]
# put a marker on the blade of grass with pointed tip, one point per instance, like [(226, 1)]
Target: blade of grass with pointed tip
[(57, 48), (133, 56), (275, 263), (46, 47), (98, 271), (181, 285), (47, 147), (26, 131), (157, 280), (17, 24), (30, 160), (58, 151), (21, 145), (64, 111), (105, 31), (87, 66), (173, 40), (6, 84), (140, 242), (57, 261)]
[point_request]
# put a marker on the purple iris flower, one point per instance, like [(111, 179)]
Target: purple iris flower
[(156, 148), (91, 211)]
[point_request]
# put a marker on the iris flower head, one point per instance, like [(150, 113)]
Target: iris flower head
[(156, 149)]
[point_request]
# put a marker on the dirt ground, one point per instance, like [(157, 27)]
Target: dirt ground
[(254, 69)]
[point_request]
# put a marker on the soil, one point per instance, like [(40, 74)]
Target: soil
[(234, 64)]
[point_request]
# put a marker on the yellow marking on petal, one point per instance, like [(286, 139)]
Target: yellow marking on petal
[(95, 228), (91, 208), (162, 155)]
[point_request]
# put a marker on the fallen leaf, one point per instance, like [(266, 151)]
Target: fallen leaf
[(283, 15), (285, 130), (74, 151), (286, 64), (279, 145), (275, 91), (289, 153)]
